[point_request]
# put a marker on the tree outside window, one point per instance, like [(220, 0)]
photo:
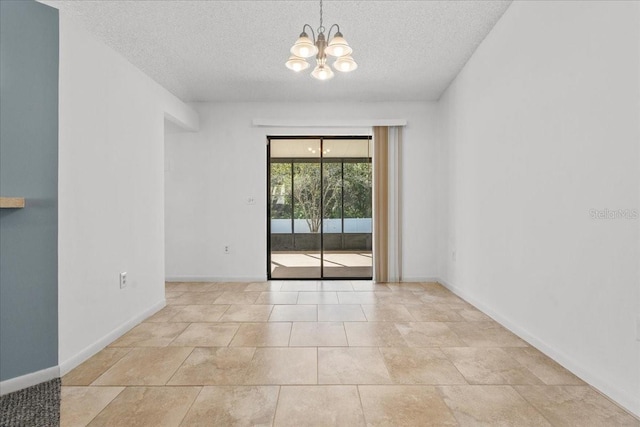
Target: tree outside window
[(308, 191)]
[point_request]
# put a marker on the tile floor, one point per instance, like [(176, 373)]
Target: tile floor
[(333, 353), (343, 264)]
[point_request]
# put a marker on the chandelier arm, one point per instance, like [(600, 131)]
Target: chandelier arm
[(321, 40), (331, 28), (313, 34)]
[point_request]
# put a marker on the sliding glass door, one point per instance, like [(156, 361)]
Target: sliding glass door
[(319, 215), (296, 206)]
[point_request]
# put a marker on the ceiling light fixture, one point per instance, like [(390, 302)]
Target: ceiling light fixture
[(325, 151), (321, 46)]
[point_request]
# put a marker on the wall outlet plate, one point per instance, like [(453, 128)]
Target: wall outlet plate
[(227, 249), (123, 280)]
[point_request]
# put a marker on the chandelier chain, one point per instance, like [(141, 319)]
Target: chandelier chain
[(321, 29)]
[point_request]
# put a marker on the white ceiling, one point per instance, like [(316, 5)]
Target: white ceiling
[(235, 50)]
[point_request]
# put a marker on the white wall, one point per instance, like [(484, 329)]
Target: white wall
[(111, 193), (210, 175), (541, 126)]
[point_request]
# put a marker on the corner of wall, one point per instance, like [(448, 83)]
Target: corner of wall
[(111, 185)]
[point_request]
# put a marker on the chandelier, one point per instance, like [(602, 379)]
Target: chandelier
[(321, 46)]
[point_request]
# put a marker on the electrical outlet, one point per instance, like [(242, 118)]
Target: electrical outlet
[(227, 249), (251, 200), (123, 280)]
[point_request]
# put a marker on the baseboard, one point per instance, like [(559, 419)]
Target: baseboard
[(214, 279), (101, 343), (603, 386), (419, 279), (263, 279), (28, 380)]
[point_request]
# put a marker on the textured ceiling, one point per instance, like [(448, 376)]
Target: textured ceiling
[(235, 50)]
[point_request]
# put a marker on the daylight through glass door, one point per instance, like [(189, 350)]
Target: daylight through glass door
[(319, 212)]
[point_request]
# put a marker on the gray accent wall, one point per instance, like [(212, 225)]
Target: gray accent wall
[(28, 168)]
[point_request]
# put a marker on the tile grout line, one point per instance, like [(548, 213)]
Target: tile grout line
[(384, 362), (101, 373), (273, 307), (440, 393), (177, 335), (453, 364), (530, 403), (191, 406), (234, 334), (364, 416), (275, 412), (179, 366), (105, 406), (379, 344), (344, 330)]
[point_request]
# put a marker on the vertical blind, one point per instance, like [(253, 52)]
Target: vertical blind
[(387, 213)]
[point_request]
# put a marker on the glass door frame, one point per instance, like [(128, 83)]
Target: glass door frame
[(322, 219)]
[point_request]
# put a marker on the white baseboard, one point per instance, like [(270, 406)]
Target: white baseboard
[(630, 403), (420, 279), (28, 380), (101, 343), (263, 279), (214, 279)]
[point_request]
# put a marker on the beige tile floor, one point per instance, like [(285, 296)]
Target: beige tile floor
[(341, 353), (343, 264)]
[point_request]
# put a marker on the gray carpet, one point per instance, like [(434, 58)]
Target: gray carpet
[(37, 406)]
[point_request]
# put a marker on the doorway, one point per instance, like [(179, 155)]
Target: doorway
[(319, 220)]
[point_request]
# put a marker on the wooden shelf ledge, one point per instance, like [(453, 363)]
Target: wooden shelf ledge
[(11, 202)]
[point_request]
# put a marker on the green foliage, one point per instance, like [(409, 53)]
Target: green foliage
[(308, 191), (357, 190), (280, 190)]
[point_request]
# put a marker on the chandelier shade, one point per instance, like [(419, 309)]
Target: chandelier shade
[(322, 72), (321, 46), (304, 47), (345, 64), (297, 63), (338, 46)]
